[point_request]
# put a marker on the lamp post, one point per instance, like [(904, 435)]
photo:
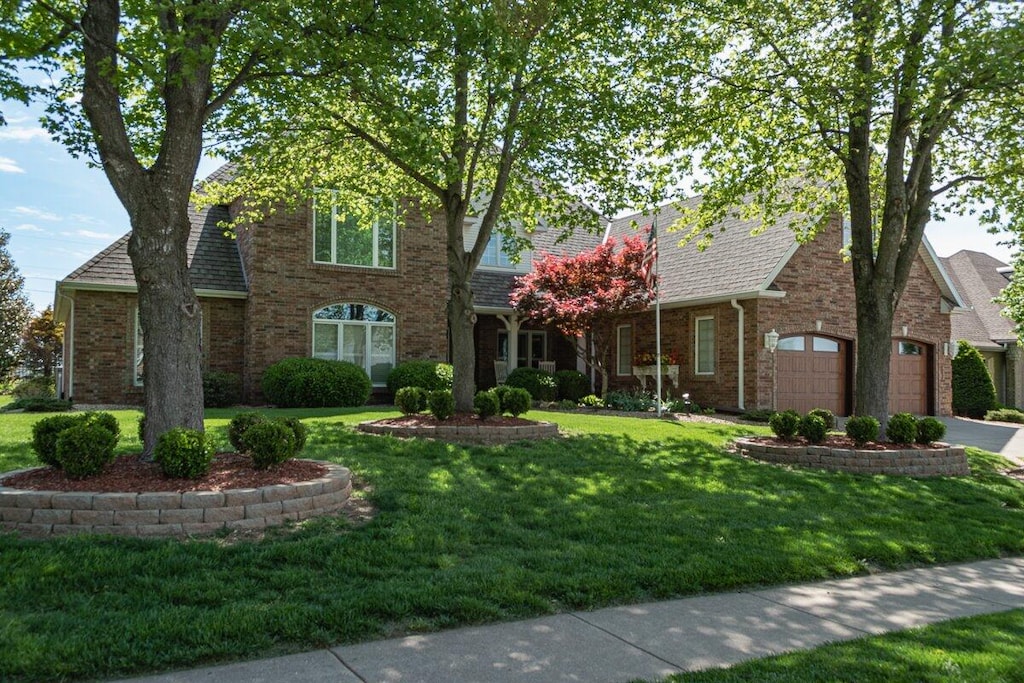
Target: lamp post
[(771, 342)]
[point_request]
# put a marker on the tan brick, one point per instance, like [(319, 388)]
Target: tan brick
[(72, 501), (225, 514), (202, 499), (46, 516), (165, 500), (262, 510), (93, 517), (309, 488), (234, 497), (114, 501), (33, 499), (176, 516), (136, 517), (278, 492), (296, 504), (33, 529)]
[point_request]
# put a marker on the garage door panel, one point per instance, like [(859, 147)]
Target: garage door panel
[(811, 373), (909, 371)]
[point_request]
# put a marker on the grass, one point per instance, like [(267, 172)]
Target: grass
[(987, 648), (622, 510)]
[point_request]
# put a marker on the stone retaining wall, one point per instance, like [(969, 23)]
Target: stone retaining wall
[(917, 462), (476, 434), (46, 513)]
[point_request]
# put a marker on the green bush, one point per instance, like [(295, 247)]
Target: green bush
[(1005, 415), (269, 443), (46, 431), (784, 424), (902, 428), (629, 401), (411, 400), (221, 389), (813, 428), (486, 404), (540, 384), (758, 415), (862, 429), (973, 391), (930, 430), (35, 387), (239, 425), (142, 429), (826, 415), (84, 449), (441, 403), (183, 453), (515, 401), (39, 405), (430, 375), (300, 432), (592, 401), (105, 420), (315, 383), (566, 404), (572, 385)]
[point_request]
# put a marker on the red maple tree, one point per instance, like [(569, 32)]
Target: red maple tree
[(583, 295)]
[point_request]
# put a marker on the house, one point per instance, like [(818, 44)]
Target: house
[(309, 282), (980, 278), (723, 309)]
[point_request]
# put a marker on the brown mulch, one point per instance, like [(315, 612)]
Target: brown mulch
[(128, 474), (835, 441), (457, 420)]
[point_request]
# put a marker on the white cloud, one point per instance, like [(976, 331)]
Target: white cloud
[(36, 213), (23, 134), (10, 166), (86, 220), (28, 227), (91, 234)]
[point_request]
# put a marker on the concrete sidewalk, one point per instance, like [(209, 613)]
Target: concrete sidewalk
[(654, 640)]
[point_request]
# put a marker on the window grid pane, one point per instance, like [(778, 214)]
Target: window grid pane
[(706, 346)]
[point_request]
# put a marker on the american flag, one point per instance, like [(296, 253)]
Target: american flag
[(650, 260)]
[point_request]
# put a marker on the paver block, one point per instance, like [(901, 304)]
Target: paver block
[(202, 499), (225, 514), (72, 500), (182, 516), (277, 492), (16, 514), (114, 501), (164, 500), (296, 504), (93, 517), (242, 497), (262, 510), (33, 499), (136, 517), (46, 516)]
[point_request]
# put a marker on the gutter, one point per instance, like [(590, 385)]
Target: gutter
[(739, 350)]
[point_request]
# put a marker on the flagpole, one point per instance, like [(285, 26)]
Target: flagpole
[(657, 314)]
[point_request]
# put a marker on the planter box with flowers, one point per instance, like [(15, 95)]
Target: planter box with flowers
[(646, 365)]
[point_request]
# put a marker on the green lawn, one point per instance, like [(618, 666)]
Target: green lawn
[(986, 649), (622, 510)]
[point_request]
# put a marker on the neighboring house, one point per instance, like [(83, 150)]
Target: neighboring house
[(299, 284), (719, 306), (980, 278)]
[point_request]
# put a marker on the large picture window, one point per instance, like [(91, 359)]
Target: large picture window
[(704, 345), (340, 237), (357, 333)]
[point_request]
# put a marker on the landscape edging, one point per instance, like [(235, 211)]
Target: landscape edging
[(474, 434), (943, 460)]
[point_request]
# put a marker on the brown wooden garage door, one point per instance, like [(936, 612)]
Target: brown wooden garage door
[(811, 373), (909, 385)]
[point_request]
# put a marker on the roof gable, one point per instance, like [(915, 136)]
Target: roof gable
[(976, 276)]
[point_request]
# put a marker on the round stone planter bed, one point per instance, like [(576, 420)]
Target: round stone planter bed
[(463, 429), (935, 460), (245, 501)]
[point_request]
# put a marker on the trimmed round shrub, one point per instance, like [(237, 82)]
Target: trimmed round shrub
[(826, 415), (973, 391), (300, 431), (35, 387), (426, 374), (812, 427), (107, 421), (240, 425), (486, 404), (784, 424), (85, 449), (572, 385), (930, 430), (515, 401), (902, 428), (540, 384), (221, 389), (411, 400), (316, 383), (183, 453), (269, 443), (46, 431), (862, 429), (441, 403)]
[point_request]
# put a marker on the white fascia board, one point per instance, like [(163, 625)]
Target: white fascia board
[(943, 276), (724, 298), (131, 289)]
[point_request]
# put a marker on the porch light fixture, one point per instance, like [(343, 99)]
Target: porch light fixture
[(904, 330), (817, 325), (771, 340)]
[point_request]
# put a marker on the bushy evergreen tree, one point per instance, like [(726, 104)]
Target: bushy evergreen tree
[(14, 309), (973, 391)]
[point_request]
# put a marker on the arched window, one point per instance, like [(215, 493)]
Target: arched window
[(358, 333)]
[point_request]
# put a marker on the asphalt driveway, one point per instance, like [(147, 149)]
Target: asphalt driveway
[(998, 437)]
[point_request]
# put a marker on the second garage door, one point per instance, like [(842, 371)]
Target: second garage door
[(811, 373), (909, 387)]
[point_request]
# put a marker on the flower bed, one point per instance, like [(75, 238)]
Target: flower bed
[(463, 429), (935, 460)]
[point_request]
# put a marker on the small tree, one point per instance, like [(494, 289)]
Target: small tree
[(14, 309), (582, 295), (41, 343), (973, 391)]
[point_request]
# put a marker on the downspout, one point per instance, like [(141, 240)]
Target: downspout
[(742, 360)]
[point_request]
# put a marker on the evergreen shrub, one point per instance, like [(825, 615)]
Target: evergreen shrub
[(486, 404), (973, 391), (183, 453), (540, 384), (84, 449), (784, 423), (902, 429), (572, 385), (430, 375), (315, 383), (930, 430), (812, 427), (441, 403), (411, 400), (862, 429)]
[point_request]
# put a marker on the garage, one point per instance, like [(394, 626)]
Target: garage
[(811, 372), (909, 378)]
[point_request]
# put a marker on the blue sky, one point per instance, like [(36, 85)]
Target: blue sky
[(60, 213)]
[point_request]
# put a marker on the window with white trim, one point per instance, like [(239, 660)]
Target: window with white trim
[(624, 350), (343, 238), (495, 255), (704, 345), (357, 333)]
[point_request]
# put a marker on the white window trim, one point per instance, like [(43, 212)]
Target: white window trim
[(368, 325), (618, 350), (499, 251), (376, 239), (696, 345)]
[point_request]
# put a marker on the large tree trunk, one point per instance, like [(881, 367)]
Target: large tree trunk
[(874, 348), (461, 316)]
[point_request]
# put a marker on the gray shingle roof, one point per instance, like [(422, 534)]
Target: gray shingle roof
[(975, 276), (214, 262), (735, 263)]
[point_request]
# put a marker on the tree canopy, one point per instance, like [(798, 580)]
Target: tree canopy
[(14, 309), (41, 343)]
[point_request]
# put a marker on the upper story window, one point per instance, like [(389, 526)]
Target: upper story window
[(495, 254), (343, 238)]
